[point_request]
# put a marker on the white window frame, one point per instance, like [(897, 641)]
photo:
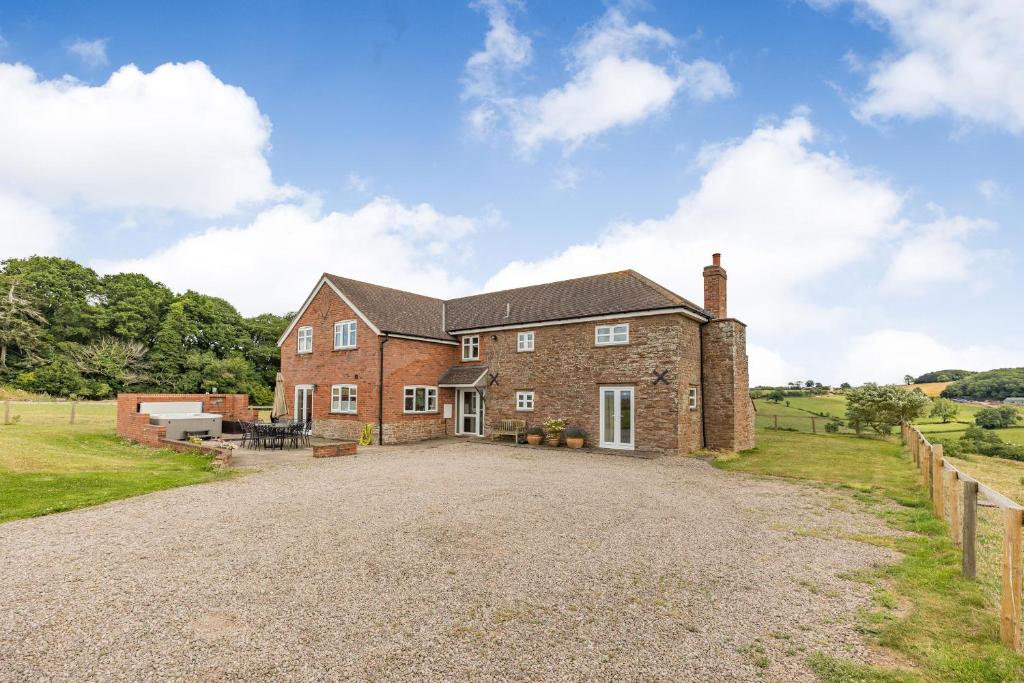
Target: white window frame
[(693, 397), (429, 399), (302, 348), (340, 329), (471, 347), (525, 401), (616, 334), (351, 405), (525, 341)]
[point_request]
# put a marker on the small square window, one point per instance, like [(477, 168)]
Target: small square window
[(524, 341), (305, 340), (610, 335), (524, 401), (345, 334), (471, 348), (343, 398), (693, 398)]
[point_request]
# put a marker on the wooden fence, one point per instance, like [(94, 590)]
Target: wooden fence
[(964, 494), (802, 423)]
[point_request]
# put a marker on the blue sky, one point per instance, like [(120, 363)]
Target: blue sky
[(857, 162)]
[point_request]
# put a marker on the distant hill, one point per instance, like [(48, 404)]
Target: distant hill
[(994, 385), (943, 376)]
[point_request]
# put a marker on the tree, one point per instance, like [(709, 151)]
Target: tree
[(908, 379), (776, 396), (845, 385), (63, 291), (993, 385), (944, 409), (809, 383), (131, 307), (996, 418), (20, 321), (261, 350), (118, 364), (882, 407)]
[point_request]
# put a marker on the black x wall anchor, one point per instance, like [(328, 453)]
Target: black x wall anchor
[(660, 377), (494, 379)]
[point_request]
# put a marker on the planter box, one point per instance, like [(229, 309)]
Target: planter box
[(334, 450)]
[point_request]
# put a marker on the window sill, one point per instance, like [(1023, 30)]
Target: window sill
[(625, 343), (524, 410), (303, 353), (419, 412), (344, 412), (524, 350), (345, 348)]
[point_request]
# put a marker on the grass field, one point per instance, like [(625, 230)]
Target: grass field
[(48, 465), (930, 389), (945, 625)]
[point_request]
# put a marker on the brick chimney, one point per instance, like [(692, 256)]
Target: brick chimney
[(714, 287)]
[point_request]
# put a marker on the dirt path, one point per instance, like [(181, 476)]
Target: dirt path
[(452, 560)]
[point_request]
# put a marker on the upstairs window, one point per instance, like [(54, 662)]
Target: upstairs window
[(693, 398), (305, 340), (610, 335), (343, 398), (471, 348), (421, 399), (345, 334), (524, 341)]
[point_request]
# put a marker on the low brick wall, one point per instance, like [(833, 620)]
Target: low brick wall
[(334, 450), (221, 456)]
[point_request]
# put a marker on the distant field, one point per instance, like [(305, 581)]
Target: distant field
[(48, 465), (931, 389)]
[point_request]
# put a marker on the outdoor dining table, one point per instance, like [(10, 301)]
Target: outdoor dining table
[(276, 431)]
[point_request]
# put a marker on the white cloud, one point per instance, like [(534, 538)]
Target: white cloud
[(990, 189), (887, 355), (272, 263), (769, 368), (614, 81), (935, 252), (358, 183), (958, 57), (93, 53), (566, 178), (176, 138), (27, 227)]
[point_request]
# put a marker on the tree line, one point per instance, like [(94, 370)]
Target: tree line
[(67, 331)]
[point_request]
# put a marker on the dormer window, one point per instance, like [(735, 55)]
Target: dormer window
[(471, 347)]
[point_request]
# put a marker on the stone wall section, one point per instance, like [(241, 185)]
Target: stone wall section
[(729, 412)]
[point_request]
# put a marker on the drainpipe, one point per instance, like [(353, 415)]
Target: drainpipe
[(380, 391)]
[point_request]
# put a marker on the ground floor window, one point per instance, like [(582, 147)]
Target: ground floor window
[(524, 400), (421, 399), (693, 398), (343, 398)]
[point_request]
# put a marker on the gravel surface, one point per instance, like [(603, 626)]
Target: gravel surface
[(448, 560)]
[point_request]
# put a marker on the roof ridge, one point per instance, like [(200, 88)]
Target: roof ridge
[(543, 284), (390, 289)]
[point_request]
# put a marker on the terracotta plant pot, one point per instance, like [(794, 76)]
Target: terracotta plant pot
[(574, 441), (534, 439), (553, 439)]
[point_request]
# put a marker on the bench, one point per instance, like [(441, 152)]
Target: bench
[(513, 428)]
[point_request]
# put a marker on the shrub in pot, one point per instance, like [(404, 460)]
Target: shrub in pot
[(553, 429), (574, 437), (534, 435)]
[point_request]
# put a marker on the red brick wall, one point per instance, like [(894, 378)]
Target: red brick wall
[(135, 426), (730, 413), (566, 369)]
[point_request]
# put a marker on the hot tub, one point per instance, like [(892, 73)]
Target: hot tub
[(182, 418)]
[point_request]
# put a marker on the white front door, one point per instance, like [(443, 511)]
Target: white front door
[(617, 426), (303, 402), (471, 413)]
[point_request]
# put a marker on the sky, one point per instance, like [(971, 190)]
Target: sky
[(858, 163)]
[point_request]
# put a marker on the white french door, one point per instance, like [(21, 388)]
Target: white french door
[(303, 402), (471, 413), (617, 410)]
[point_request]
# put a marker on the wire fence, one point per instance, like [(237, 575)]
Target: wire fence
[(811, 424), (58, 412)]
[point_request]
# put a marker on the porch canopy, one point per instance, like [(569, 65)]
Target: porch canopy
[(463, 377)]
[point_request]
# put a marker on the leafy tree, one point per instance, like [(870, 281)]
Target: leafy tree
[(943, 376), (809, 383), (845, 385), (263, 332), (20, 321), (59, 378), (908, 379), (116, 363), (61, 290), (944, 409), (776, 396), (196, 325), (131, 307), (994, 385), (996, 418), (882, 407)]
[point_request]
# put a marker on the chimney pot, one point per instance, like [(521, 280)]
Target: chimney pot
[(716, 259), (714, 287)]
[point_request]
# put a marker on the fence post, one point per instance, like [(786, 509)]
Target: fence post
[(955, 520), (970, 528), (776, 422), (1009, 618), (937, 497), (74, 407), (813, 429), (7, 411)]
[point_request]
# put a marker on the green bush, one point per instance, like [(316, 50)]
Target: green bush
[(882, 408), (996, 418), (994, 385), (985, 442)]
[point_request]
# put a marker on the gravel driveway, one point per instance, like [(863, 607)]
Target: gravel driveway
[(448, 560)]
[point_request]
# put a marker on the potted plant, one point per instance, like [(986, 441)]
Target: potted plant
[(534, 435), (574, 437), (553, 429)]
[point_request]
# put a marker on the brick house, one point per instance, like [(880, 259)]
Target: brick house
[(633, 364)]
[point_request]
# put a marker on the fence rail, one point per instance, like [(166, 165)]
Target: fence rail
[(964, 494), (801, 423)]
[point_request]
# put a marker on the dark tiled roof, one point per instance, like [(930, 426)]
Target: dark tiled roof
[(394, 310), (461, 375), (621, 292)]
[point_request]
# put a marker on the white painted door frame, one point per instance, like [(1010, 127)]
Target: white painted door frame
[(459, 414), (616, 417), (299, 408)]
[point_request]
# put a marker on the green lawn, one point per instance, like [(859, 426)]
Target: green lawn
[(48, 465), (945, 625)]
